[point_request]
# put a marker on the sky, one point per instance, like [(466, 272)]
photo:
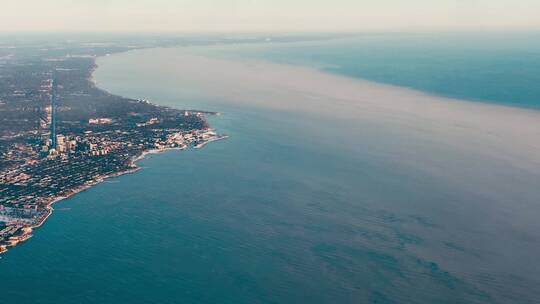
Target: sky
[(266, 15)]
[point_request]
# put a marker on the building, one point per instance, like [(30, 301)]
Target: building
[(100, 121), (72, 145)]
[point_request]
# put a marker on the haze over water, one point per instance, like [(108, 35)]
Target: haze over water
[(329, 189)]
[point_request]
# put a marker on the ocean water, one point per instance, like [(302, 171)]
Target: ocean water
[(490, 67), (310, 203)]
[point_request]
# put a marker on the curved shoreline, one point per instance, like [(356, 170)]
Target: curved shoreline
[(294, 67), (27, 230), (50, 205), (451, 142), (100, 180)]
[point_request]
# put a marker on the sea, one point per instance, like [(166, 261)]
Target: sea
[(313, 198)]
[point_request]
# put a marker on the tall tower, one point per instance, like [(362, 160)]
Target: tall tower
[(53, 110)]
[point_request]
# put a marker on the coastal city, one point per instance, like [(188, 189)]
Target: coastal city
[(267, 151), (61, 135)]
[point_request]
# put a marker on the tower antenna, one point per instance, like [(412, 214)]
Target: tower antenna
[(53, 109)]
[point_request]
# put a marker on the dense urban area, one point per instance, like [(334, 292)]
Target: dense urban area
[(59, 134)]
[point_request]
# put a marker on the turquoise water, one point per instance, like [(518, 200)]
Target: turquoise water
[(292, 208), (490, 67)]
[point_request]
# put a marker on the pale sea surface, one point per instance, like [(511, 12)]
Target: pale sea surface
[(312, 199)]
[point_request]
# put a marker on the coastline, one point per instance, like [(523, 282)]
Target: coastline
[(100, 180), (309, 91), (315, 74), (28, 230), (201, 145), (411, 133), (413, 239), (195, 59), (50, 205)]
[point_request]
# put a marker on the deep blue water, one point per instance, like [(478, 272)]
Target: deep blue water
[(293, 207)]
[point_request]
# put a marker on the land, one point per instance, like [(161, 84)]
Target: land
[(60, 134)]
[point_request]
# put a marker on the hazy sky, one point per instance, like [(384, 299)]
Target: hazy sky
[(265, 15)]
